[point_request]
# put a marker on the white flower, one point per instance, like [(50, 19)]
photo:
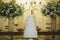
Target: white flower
[(51, 13)]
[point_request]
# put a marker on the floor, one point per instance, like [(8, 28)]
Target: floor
[(40, 37)]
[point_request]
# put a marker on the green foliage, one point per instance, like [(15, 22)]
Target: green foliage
[(10, 9), (52, 9)]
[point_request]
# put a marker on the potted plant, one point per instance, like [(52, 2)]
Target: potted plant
[(10, 10), (52, 9)]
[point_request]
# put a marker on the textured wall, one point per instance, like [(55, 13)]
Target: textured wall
[(41, 21)]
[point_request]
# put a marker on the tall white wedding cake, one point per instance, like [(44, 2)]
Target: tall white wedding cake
[(30, 29)]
